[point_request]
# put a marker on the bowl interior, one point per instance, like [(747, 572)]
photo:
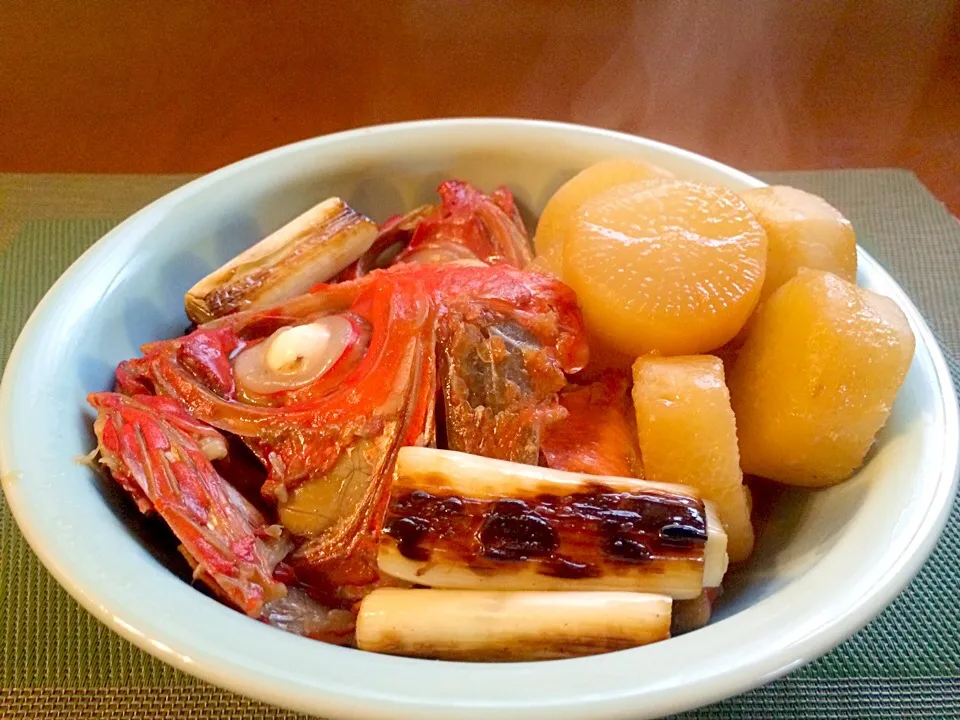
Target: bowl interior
[(828, 552)]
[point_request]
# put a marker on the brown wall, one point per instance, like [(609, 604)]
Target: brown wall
[(181, 85)]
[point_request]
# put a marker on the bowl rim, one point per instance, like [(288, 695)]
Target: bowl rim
[(339, 701)]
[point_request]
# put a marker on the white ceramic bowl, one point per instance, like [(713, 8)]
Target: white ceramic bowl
[(828, 562)]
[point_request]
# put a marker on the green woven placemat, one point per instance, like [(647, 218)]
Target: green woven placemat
[(56, 661)]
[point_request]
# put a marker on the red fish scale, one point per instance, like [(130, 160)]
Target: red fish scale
[(167, 472), (392, 387)]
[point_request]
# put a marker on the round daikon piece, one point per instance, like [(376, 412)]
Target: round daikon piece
[(557, 215), (816, 379), (803, 230), (674, 267)]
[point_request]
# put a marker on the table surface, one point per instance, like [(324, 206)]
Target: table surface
[(56, 661), (168, 86)]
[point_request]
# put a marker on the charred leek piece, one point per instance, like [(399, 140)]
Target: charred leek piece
[(309, 250), (462, 521), (508, 626)]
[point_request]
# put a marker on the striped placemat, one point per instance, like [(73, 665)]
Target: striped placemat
[(56, 661)]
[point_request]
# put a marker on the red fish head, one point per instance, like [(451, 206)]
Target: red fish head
[(501, 338)]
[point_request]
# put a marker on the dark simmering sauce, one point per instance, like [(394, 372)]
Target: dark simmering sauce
[(568, 536)]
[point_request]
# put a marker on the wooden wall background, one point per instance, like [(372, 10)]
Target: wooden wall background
[(178, 85)]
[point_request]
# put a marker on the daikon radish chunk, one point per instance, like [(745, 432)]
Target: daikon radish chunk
[(688, 435), (803, 230), (668, 266), (559, 213), (817, 379)]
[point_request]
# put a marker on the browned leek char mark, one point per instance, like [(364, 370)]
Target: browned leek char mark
[(566, 535), (310, 249), (462, 521)]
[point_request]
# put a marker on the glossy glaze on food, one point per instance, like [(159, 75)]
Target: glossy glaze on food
[(363, 411), (463, 521), (600, 528)]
